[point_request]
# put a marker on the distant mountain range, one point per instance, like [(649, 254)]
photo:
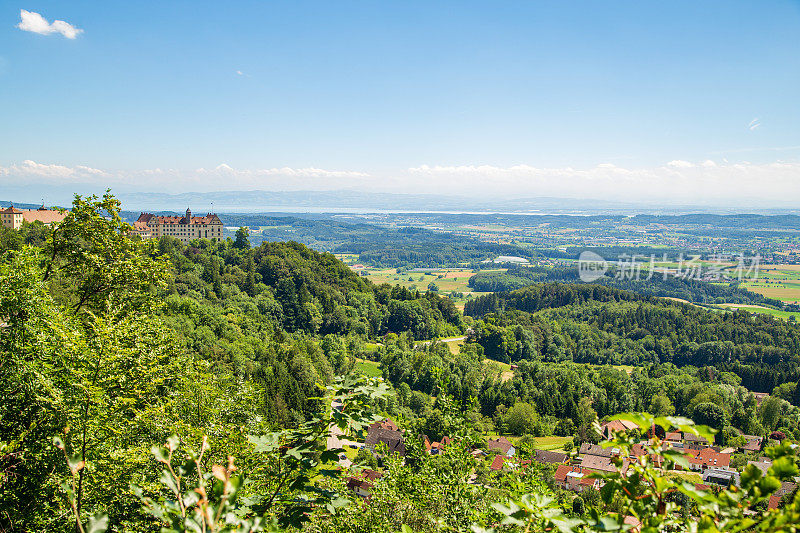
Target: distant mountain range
[(358, 201), (345, 200)]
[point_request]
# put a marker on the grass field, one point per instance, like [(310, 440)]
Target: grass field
[(552, 442), (691, 477), (765, 310), (505, 369), (448, 280), (786, 291), (455, 346), (368, 368)]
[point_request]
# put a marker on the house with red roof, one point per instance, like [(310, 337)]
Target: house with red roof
[(502, 445), (501, 460), (435, 448), (701, 460), (362, 483), (575, 478), (607, 429)]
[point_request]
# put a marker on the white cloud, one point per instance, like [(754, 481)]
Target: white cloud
[(308, 172), (240, 73), (755, 123), (32, 169), (34, 22), (221, 177), (679, 181), (706, 182)]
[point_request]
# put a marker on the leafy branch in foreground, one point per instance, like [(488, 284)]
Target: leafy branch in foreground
[(283, 486), (206, 504), (97, 523)]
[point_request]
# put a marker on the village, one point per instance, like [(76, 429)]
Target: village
[(708, 463)]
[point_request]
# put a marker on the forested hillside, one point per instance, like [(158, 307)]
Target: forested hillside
[(593, 324), (154, 385)]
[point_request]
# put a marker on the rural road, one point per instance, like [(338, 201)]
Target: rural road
[(335, 441), (450, 339)]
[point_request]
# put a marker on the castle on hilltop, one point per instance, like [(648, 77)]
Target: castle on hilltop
[(184, 228)]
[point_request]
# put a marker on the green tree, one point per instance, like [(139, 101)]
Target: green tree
[(586, 417), (97, 379), (521, 419), (710, 414), (770, 411), (578, 507), (660, 405), (94, 263), (250, 279), (242, 241)]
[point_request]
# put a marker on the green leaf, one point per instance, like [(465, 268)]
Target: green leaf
[(677, 457), (643, 420), (97, 524), (172, 442), (769, 484), (161, 454), (265, 443), (784, 467), (167, 479)]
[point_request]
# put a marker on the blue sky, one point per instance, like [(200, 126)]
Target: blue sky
[(497, 98)]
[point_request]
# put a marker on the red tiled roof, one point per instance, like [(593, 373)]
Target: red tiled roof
[(500, 460), (547, 456), (587, 448), (774, 501), (619, 425), (753, 444), (563, 470), (689, 437), (45, 216), (387, 423), (393, 439), (637, 450), (11, 210), (497, 462), (354, 483), (601, 464), (372, 475), (708, 457), (500, 443)]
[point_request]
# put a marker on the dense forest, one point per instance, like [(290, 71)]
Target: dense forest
[(594, 324), (152, 384), (657, 284)]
